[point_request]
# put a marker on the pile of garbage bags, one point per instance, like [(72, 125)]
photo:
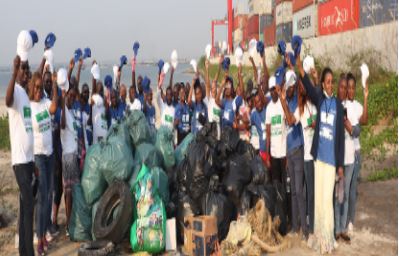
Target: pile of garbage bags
[(203, 176)]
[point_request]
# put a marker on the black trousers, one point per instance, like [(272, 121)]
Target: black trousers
[(23, 175)]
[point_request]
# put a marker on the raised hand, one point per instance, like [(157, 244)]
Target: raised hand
[(17, 63), (71, 64)]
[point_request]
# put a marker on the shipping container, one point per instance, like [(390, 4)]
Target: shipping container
[(304, 22), (298, 5), (283, 13), (374, 12), (240, 21), (269, 35), (277, 2), (260, 7), (264, 21), (284, 32), (253, 25), (238, 36), (338, 16)]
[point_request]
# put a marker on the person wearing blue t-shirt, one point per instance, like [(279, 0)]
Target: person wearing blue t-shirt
[(182, 116), (116, 110), (149, 109), (198, 107), (328, 150), (295, 152), (226, 104), (258, 126)]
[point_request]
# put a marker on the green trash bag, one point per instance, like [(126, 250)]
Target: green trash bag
[(138, 127), (161, 184), (80, 222), (116, 155), (147, 154), (164, 143), (181, 150), (149, 226), (93, 182)]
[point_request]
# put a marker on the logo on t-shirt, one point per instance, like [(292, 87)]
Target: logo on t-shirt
[(44, 121), (276, 120), (168, 118), (27, 112), (27, 119), (216, 111)]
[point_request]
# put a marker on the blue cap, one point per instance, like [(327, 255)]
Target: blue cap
[(50, 40), (86, 53), (78, 54), (136, 47), (260, 48), (296, 43), (123, 60), (292, 58), (160, 65), (281, 47), (33, 34), (226, 63), (279, 74), (108, 81), (146, 84)]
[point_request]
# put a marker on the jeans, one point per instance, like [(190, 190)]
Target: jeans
[(309, 179), (341, 210), (278, 169), (57, 181), (23, 175), (45, 164), (353, 188), (295, 163)]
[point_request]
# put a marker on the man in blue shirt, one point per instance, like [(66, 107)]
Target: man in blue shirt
[(295, 153), (198, 108), (226, 104), (116, 110), (149, 109), (258, 126), (182, 116)]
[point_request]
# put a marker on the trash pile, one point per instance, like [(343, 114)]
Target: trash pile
[(134, 180)]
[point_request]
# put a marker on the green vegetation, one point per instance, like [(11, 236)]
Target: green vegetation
[(385, 174), (4, 133)]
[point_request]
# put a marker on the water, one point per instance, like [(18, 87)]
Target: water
[(150, 70)]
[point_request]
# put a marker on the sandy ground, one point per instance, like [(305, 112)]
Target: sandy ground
[(375, 231)]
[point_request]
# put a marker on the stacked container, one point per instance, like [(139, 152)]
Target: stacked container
[(252, 30), (304, 18), (337, 16), (283, 17), (239, 27)]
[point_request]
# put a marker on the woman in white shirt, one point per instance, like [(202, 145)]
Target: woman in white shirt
[(69, 137), (42, 109), (100, 126)]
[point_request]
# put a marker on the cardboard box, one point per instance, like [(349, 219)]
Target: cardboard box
[(200, 235)]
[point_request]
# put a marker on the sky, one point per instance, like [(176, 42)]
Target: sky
[(109, 28)]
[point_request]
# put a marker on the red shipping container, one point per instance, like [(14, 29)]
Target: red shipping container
[(337, 16), (300, 4), (269, 35), (253, 25), (240, 21)]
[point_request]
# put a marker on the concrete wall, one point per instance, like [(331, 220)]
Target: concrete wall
[(382, 39)]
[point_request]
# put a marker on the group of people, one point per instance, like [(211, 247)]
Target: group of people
[(306, 135)]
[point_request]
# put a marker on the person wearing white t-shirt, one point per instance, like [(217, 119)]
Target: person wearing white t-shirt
[(134, 103), (357, 115), (69, 141), (214, 111), (98, 112), (41, 111), (21, 138), (165, 104), (276, 140)]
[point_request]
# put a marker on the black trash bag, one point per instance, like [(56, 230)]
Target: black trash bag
[(186, 207), (281, 207), (237, 176), (230, 138), (258, 171), (208, 134), (182, 175), (200, 169), (267, 193), (245, 202), (246, 149), (215, 203)]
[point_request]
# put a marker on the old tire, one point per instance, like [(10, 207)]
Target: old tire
[(107, 227), (96, 248)]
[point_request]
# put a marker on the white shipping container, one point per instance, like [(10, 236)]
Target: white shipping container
[(304, 22), (283, 13), (260, 7)]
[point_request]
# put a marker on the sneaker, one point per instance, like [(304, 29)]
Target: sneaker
[(350, 228), (16, 241), (346, 237)]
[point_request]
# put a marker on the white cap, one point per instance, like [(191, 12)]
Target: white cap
[(272, 82), (193, 63), (224, 47), (174, 59), (308, 63), (115, 69), (252, 47), (24, 44), (166, 67), (48, 55), (238, 53), (208, 50), (290, 78), (95, 71), (62, 79), (365, 73)]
